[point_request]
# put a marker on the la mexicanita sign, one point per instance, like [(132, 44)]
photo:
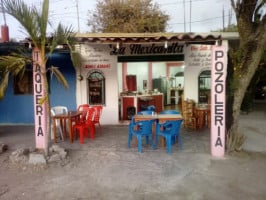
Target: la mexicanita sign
[(218, 92), (150, 49)]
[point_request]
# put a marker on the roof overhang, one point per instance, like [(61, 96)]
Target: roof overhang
[(109, 38)]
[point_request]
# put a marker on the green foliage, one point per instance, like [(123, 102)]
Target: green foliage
[(35, 23), (131, 16), (60, 77), (13, 64)]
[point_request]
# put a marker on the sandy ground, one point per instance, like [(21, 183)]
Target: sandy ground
[(106, 169)]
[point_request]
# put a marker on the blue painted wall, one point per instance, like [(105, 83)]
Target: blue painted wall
[(18, 109)]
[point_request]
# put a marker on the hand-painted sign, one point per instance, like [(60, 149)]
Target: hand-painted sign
[(198, 56), (94, 57), (218, 86), (39, 108), (144, 49)]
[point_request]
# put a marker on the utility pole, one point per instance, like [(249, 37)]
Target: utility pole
[(223, 19), (190, 9), (3, 10), (184, 3), (77, 7)]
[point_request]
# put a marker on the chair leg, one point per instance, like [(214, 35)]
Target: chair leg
[(80, 131), (147, 140), (129, 139), (156, 140), (61, 132), (179, 142), (81, 136), (92, 131), (169, 144), (139, 143)]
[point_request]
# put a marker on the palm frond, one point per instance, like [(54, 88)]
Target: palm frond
[(30, 18), (3, 85), (76, 58), (13, 64), (60, 77), (62, 35)]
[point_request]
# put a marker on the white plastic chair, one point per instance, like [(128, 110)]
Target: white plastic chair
[(55, 111)]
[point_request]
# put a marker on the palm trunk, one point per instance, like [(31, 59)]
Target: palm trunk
[(41, 101)]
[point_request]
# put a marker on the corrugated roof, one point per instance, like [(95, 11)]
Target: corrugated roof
[(147, 37)]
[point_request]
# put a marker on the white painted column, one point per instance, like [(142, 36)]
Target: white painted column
[(218, 100)]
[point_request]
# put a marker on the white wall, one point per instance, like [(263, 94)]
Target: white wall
[(197, 59), (158, 69), (92, 56), (140, 69)]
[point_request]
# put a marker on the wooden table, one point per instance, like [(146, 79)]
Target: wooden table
[(161, 117), (70, 117)]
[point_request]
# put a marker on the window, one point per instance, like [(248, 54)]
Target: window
[(96, 87), (204, 86), (23, 83)]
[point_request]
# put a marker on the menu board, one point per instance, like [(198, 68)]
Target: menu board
[(198, 56)]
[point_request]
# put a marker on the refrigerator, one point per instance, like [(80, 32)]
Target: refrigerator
[(162, 85)]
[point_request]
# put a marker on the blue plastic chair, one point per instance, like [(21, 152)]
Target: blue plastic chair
[(140, 129), (170, 130), (169, 112), (151, 108), (145, 112)]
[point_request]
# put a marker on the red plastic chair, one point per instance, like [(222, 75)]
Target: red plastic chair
[(97, 115), (86, 126), (83, 108)]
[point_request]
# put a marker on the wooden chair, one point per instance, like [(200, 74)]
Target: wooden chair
[(188, 113)]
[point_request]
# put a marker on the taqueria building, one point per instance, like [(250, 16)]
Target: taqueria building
[(127, 72), (133, 69), (121, 71)]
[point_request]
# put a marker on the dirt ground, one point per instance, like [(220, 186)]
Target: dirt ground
[(106, 169)]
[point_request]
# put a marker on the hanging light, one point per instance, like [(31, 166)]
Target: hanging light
[(117, 45)]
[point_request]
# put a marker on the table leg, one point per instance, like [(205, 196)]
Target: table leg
[(54, 130), (70, 129)]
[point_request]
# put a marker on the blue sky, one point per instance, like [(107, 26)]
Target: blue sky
[(200, 15)]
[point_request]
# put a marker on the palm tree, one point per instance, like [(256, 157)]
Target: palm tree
[(35, 23)]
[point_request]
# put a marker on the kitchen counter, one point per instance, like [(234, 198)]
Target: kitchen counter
[(139, 102)]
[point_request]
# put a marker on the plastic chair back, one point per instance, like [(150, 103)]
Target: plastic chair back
[(140, 129), (83, 108), (145, 112), (151, 108), (169, 112), (97, 115), (170, 130), (59, 110), (90, 114)]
